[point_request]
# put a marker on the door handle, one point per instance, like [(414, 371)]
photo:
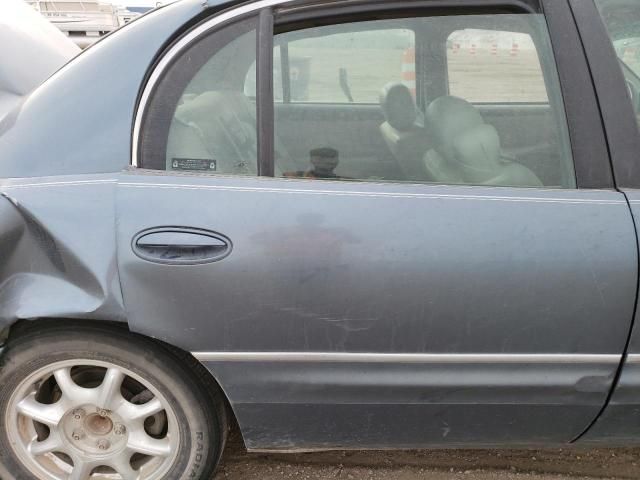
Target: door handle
[(181, 245)]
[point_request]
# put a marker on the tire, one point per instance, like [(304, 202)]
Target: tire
[(98, 429)]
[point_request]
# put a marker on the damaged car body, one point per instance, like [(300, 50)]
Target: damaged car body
[(343, 224)]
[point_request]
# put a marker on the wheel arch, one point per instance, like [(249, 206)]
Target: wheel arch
[(207, 379)]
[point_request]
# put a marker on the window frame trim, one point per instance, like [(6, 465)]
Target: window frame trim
[(622, 133), (588, 141), (265, 107)]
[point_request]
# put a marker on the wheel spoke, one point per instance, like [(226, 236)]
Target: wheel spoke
[(51, 444), (109, 391), (81, 470), (73, 392), (131, 411), (122, 465), (44, 413), (82, 437), (139, 441)]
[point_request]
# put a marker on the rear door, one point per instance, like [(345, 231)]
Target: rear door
[(341, 308)]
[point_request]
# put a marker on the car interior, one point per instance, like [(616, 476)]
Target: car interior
[(415, 132)]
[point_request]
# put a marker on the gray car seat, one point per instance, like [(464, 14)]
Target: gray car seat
[(467, 150), (219, 126), (403, 131)]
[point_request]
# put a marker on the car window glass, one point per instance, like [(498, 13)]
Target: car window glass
[(350, 110), (622, 19), (200, 119), (250, 79), (510, 59), (349, 56), (336, 65)]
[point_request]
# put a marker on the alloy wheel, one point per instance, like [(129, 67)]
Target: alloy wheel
[(87, 419)]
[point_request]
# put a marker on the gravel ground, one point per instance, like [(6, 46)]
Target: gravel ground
[(556, 464)]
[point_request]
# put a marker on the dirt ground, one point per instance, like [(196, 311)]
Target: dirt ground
[(557, 464)]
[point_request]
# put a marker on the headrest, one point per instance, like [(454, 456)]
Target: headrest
[(449, 116), (398, 106)]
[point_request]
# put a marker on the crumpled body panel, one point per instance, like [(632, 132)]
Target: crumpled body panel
[(57, 250)]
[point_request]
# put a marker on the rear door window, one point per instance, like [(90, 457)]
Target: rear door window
[(353, 67)]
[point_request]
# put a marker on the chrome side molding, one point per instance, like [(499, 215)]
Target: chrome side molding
[(427, 358)]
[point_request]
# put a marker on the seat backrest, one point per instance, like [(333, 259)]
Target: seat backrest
[(403, 131), (467, 150)]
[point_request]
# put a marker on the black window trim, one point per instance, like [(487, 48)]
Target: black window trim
[(264, 94), (619, 122), (329, 12), (588, 140)]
